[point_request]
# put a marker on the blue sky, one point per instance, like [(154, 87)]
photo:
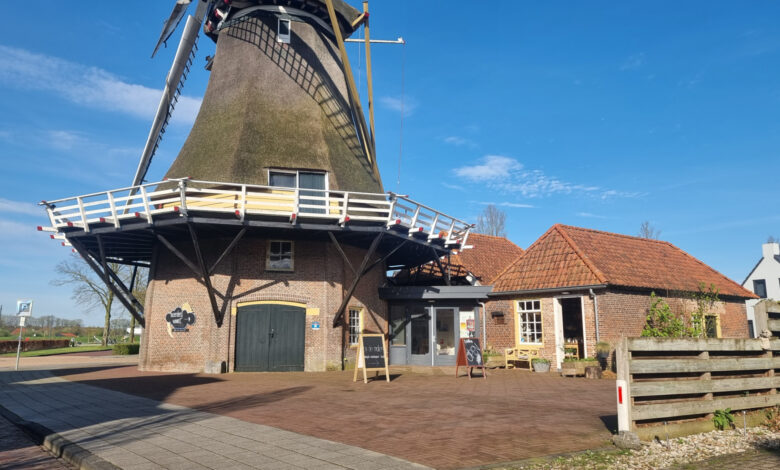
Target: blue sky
[(597, 114)]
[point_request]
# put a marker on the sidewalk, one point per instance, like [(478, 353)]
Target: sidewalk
[(139, 433), (64, 361)]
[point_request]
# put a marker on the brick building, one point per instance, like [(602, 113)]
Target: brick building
[(433, 305), (574, 287)]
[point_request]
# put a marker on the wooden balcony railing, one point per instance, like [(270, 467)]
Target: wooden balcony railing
[(243, 201)]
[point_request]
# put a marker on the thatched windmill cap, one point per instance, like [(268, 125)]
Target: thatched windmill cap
[(272, 105)]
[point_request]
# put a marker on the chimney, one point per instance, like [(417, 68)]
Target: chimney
[(770, 250)]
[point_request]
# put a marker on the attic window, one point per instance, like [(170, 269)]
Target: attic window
[(283, 31), (759, 288)]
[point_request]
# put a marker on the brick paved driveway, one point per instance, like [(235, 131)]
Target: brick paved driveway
[(438, 421), (18, 451)]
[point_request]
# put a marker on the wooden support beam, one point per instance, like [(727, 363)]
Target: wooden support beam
[(178, 254), (81, 250), (343, 255), (385, 257), (358, 275), (218, 316), (441, 268), (227, 250)]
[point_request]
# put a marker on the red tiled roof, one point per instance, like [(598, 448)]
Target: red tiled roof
[(488, 256), (567, 256)]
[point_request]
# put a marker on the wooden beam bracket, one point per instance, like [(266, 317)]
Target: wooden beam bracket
[(119, 289), (358, 276)]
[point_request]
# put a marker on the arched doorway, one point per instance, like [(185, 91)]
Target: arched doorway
[(270, 337)]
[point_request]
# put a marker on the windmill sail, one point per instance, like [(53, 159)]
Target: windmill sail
[(173, 22), (174, 82)]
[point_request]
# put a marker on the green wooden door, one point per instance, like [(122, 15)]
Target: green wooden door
[(270, 337)]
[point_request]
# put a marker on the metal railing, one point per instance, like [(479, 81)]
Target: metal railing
[(184, 196)]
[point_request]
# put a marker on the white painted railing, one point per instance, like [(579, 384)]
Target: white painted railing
[(185, 196)]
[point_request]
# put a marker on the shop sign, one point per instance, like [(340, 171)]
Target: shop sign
[(179, 319), (315, 325), (467, 324)]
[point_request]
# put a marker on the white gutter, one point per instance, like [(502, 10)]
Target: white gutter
[(595, 311)]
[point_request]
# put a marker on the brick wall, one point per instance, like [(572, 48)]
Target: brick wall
[(622, 312), (319, 281)]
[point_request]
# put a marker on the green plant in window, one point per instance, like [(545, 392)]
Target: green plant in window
[(723, 419)]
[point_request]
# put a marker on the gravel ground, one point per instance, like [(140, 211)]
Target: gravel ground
[(657, 455)]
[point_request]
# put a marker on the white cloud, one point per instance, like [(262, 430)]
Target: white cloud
[(407, 104), (491, 167), (591, 216), (18, 207), (634, 62), (516, 205), (507, 175), (453, 186), (459, 141), (87, 86)]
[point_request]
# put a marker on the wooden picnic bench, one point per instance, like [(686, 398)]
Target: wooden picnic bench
[(520, 354)]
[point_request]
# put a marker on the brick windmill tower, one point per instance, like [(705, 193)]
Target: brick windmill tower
[(271, 234)]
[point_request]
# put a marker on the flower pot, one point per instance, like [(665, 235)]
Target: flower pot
[(541, 366)]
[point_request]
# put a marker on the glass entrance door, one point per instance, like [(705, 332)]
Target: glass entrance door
[(446, 338), (420, 337)]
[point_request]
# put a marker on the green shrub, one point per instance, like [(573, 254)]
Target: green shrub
[(584, 359), (723, 419), (540, 360), (123, 349)]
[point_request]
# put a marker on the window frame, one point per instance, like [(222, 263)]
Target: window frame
[(268, 266), (760, 282), (360, 328), (297, 174), (519, 323), (283, 38), (718, 332)]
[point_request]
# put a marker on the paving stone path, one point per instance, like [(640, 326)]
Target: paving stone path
[(139, 433)]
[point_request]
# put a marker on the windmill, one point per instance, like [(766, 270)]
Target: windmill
[(271, 233)]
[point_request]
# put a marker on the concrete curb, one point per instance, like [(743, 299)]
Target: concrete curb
[(61, 447)]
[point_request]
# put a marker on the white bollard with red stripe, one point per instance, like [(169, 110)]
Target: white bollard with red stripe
[(624, 420)]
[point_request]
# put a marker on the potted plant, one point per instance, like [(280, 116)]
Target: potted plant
[(540, 364), (574, 367)]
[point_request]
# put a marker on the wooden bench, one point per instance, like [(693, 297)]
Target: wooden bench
[(521, 354)]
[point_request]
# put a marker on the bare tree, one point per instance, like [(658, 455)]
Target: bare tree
[(648, 231), (88, 289), (492, 221)]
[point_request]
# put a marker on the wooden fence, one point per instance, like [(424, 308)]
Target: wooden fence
[(682, 379)]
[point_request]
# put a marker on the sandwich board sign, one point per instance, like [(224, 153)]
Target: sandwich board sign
[(372, 356), (470, 356)]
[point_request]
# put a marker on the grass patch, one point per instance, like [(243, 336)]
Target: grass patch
[(55, 351)]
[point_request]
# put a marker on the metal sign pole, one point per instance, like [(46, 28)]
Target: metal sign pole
[(23, 310), (19, 345)]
